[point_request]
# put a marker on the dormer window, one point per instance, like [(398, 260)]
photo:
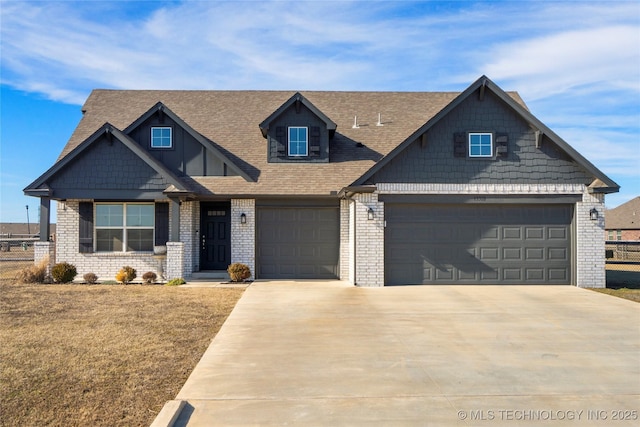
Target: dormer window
[(161, 137), (298, 141)]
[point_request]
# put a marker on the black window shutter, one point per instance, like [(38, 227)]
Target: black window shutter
[(162, 223), (459, 144), (502, 144), (85, 227), (314, 141), (281, 140)]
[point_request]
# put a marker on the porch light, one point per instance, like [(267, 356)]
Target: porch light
[(243, 218), (370, 214), (593, 214)]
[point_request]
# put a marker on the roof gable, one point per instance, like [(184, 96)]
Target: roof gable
[(161, 109), (478, 88), (297, 100), (40, 187)]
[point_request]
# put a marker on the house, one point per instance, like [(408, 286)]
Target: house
[(373, 188), (623, 222)]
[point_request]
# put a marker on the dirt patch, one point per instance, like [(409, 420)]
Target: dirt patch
[(101, 355)]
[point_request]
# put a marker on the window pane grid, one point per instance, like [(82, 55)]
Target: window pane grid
[(480, 145), (124, 227), (298, 141), (161, 137)]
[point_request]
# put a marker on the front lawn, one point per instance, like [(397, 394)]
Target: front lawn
[(101, 355), (623, 281)]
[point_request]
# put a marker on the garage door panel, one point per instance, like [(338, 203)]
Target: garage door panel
[(535, 274), (510, 254), (511, 233), (297, 243), (534, 233), (558, 274), (490, 233), (534, 253), (557, 233), (489, 254), (477, 244), (558, 254), (512, 274)]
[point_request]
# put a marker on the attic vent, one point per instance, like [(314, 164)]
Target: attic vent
[(379, 123), (355, 123)]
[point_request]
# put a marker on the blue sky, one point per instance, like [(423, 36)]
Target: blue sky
[(576, 64)]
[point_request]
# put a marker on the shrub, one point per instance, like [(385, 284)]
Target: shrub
[(63, 272), (238, 272), (126, 274), (90, 278), (175, 282), (149, 277), (34, 273)]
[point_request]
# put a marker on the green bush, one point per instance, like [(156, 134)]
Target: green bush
[(63, 272), (149, 277), (126, 274), (175, 282), (90, 278), (238, 272)]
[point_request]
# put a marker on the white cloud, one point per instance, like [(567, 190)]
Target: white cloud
[(560, 62)]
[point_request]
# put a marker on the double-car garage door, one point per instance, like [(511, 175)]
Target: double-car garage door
[(477, 244), (298, 242)]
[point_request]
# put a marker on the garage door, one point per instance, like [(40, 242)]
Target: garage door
[(477, 244), (297, 243)]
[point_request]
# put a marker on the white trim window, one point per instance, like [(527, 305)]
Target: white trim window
[(298, 141), (480, 144), (161, 137), (124, 227)]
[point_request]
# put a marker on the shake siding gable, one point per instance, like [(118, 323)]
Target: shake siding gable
[(435, 161)]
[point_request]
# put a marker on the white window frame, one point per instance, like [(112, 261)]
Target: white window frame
[(124, 227), (161, 138), (306, 141), (481, 134)]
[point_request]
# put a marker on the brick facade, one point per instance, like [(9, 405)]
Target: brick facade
[(369, 241), (104, 265), (243, 244), (189, 225), (346, 242), (590, 237)]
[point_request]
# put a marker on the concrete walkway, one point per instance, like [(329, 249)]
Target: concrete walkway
[(326, 353)]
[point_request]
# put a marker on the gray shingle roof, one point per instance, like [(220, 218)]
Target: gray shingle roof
[(230, 120), (624, 217)]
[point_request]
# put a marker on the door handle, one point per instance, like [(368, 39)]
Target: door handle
[(204, 242)]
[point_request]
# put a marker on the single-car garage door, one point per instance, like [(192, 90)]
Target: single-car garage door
[(477, 244), (297, 243)]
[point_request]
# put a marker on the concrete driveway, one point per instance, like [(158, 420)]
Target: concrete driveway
[(326, 353)]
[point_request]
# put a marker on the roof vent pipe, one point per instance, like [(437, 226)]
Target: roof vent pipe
[(379, 121), (355, 123)]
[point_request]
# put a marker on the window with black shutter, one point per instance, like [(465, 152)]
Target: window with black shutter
[(162, 224), (85, 227)]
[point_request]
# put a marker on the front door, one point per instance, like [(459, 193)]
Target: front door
[(215, 232)]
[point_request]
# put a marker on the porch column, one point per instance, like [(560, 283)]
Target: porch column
[(174, 233), (45, 227)]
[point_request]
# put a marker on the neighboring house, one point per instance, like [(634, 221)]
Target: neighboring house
[(623, 222), (374, 188)]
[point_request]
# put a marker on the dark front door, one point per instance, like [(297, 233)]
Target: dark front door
[(215, 231)]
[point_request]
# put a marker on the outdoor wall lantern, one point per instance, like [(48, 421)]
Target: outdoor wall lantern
[(370, 214), (243, 218), (593, 214)]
